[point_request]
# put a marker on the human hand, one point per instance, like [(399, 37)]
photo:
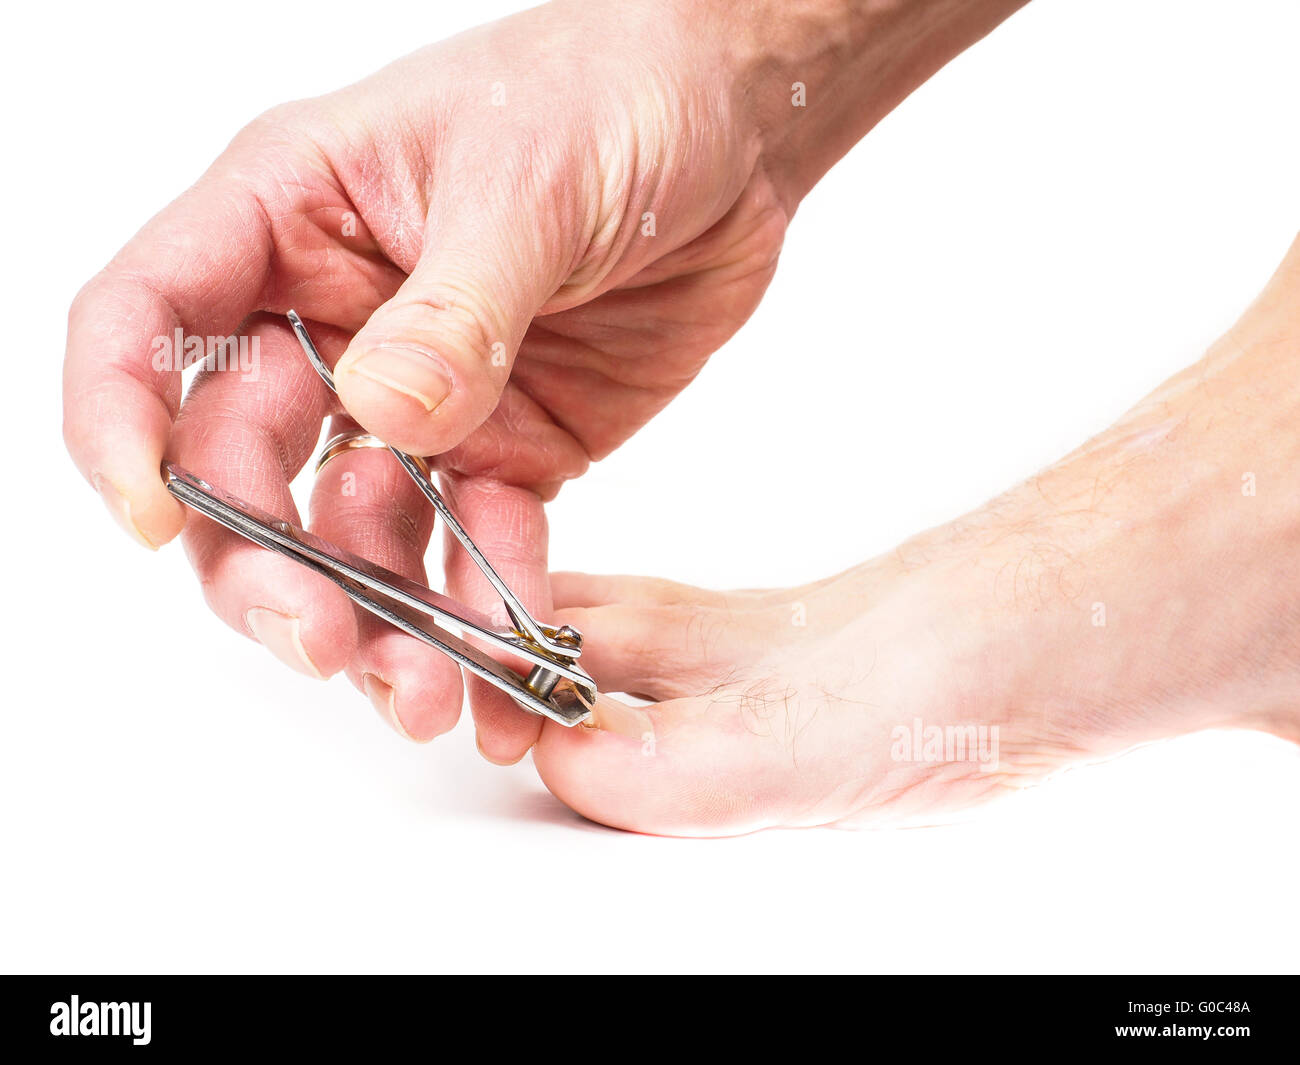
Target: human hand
[(518, 245), (1140, 589)]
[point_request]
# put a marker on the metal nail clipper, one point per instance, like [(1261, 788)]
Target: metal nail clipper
[(555, 685)]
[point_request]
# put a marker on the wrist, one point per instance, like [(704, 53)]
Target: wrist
[(813, 78)]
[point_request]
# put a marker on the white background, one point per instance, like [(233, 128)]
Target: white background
[(1060, 219)]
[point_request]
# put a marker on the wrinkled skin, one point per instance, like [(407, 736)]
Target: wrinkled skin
[(445, 204)]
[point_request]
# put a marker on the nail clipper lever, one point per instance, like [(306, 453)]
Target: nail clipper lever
[(556, 686)]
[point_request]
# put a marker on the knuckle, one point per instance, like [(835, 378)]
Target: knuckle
[(276, 122)]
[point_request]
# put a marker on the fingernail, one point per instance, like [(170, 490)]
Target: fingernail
[(281, 635), (478, 742), (120, 507), (384, 699), (408, 370)]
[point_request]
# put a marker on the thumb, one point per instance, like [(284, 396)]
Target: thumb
[(429, 366)]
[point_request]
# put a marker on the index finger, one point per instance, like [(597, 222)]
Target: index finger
[(196, 270)]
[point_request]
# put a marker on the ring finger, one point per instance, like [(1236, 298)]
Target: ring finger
[(365, 502)]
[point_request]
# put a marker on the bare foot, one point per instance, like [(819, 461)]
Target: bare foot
[(1142, 588)]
